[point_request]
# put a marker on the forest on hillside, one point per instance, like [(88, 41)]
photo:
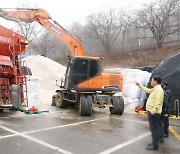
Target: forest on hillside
[(152, 27)]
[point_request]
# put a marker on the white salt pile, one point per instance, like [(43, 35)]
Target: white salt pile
[(48, 71)]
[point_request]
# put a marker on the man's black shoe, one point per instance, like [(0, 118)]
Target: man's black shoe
[(161, 140), (152, 147), (150, 144), (165, 135)]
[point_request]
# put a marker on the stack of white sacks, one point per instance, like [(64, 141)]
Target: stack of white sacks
[(132, 94), (33, 92), (42, 85)]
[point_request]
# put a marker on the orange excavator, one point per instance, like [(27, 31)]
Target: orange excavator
[(85, 83)]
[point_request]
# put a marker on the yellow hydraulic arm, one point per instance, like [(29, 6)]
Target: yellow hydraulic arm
[(41, 16)]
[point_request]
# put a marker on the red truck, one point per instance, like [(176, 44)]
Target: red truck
[(12, 77)]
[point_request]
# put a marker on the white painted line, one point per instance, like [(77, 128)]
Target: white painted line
[(6, 136), (45, 144), (4, 118), (30, 115), (36, 140), (61, 126), (9, 130), (18, 116), (120, 146), (143, 122)]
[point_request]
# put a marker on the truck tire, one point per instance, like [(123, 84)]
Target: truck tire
[(59, 101), (15, 96), (53, 101), (85, 105), (82, 105), (14, 87), (89, 105), (118, 105)]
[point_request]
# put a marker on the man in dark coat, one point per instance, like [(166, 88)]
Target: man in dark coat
[(166, 107)]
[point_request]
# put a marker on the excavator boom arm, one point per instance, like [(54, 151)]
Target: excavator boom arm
[(41, 16)]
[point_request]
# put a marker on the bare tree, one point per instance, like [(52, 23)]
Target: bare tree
[(106, 27), (30, 30), (49, 46), (27, 29), (45, 43), (158, 18), (125, 27), (177, 17)]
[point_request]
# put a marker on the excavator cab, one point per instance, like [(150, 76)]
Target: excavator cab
[(81, 69)]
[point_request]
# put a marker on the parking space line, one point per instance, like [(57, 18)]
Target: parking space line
[(36, 140), (6, 136), (62, 126), (46, 144), (4, 118), (39, 130), (50, 128), (120, 146), (174, 133), (28, 115), (9, 130), (143, 122), (17, 116)]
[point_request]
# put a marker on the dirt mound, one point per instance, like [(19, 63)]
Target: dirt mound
[(141, 57), (48, 72)]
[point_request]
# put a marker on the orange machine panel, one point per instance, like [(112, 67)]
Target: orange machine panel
[(11, 42), (103, 81)]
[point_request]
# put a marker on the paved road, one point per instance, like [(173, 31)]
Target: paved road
[(64, 131)]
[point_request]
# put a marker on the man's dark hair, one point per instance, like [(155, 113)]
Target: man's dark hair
[(157, 79), (165, 83)]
